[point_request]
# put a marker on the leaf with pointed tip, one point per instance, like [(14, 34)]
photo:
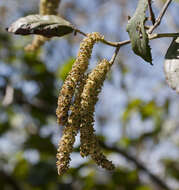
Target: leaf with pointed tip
[(137, 32), (45, 25), (171, 65)]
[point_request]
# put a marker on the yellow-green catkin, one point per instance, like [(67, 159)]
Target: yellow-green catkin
[(47, 7), (37, 42), (89, 97), (75, 76), (65, 146), (98, 156)]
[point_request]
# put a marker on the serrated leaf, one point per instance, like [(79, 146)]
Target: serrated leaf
[(171, 65), (45, 25), (137, 32)]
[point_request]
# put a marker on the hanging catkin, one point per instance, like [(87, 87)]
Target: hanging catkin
[(65, 146), (37, 42), (47, 7), (75, 76), (99, 157), (89, 97)]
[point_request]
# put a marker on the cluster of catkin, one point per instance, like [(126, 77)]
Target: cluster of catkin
[(76, 107), (47, 7)]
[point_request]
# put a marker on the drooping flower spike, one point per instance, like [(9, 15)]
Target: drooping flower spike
[(89, 98), (65, 146), (75, 76)]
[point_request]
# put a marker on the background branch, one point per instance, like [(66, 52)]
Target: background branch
[(138, 164)]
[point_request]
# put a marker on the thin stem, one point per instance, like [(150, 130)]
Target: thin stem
[(80, 32), (161, 14), (114, 55), (163, 35), (151, 37), (114, 44), (119, 44), (152, 16), (102, 40)]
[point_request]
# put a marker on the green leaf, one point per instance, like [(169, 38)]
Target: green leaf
[(143, 187), (63, 71), (137, 32), (45, 25), (171, 65), (21, 169), (130, 108)]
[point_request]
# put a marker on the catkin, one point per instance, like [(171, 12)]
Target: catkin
[(75, 76), (47, 7), (89, 97), (99, 157), (65, 146), (37, 42)]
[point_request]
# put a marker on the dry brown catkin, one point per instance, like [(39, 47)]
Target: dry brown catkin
[(74, 76), (89, 97)]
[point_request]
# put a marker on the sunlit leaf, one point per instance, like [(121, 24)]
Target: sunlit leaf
[(149, 110), (132, 106), (137, 32), (124, 142), (171, 65), (63, 71), (144, 188), (45, 25)]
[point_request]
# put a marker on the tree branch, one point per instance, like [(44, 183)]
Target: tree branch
[(151, 37), (114, 55), (161, 14), (138, 164), (119, 44)]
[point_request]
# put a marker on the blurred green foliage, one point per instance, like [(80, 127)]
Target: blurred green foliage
[(63, 70), (29, 134)]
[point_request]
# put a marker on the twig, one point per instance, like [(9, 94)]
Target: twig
[(138, 164), (114, 44), (161, 14), (119, 44), (80, 32), (151, 37), (152, 16), (163, 35), (114, 55)]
